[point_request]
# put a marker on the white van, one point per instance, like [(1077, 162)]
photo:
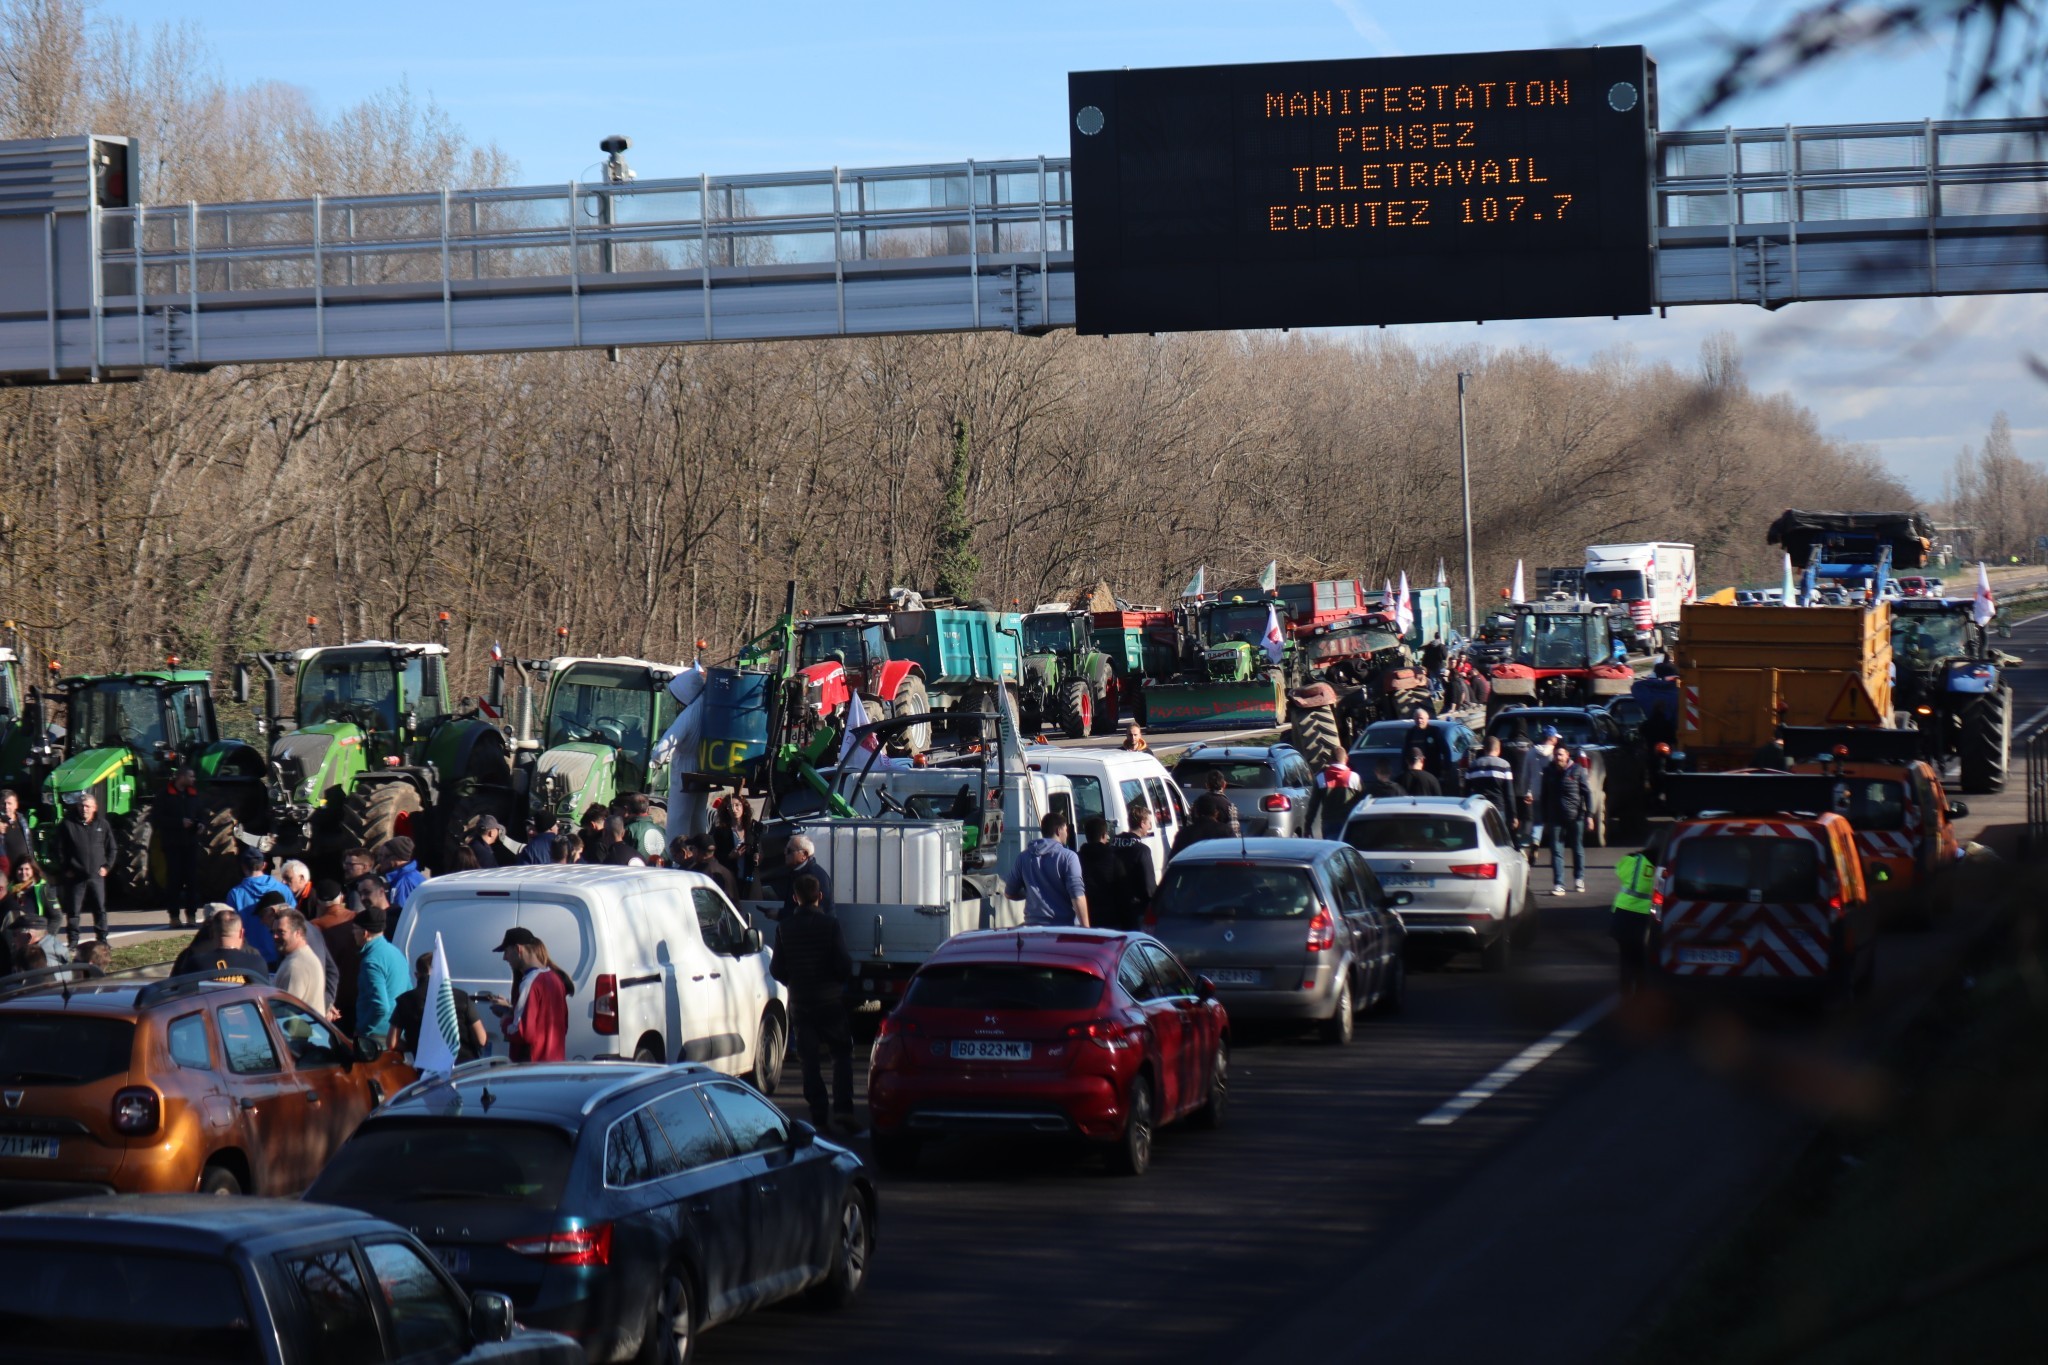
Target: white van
[(665, 968), (1107, 781)]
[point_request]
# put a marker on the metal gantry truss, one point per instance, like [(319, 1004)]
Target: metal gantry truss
[(1763, 216)]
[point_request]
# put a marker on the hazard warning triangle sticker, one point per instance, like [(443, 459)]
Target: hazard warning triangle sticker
[(1853, 706)]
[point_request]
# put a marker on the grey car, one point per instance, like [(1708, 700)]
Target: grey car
[(1288, 929), (1268, 785)]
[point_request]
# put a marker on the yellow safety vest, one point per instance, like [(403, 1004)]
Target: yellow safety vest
[(1638, 878)]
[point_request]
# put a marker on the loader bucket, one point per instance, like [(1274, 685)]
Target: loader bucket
[(1215, 705)]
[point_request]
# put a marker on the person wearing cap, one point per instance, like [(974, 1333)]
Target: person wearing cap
[(536, 1024), (330, 922), (471, 1038), (380, 979), (402, 874), (1533, 764), (246, 895), (693, 853), (491, 847), (33, 931), (539, 851)]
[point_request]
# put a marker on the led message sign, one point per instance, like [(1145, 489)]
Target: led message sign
[(1332, 193)]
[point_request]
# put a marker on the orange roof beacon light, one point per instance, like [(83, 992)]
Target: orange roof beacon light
[(171, 660)]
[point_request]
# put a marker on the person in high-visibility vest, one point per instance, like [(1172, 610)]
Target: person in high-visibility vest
[(1634, 922)]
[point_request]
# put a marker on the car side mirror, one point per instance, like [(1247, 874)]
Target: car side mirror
[(242, 683), (1958, 809), (1401, 898), (1206, 987), (801, 1134), (490, 1318), (751, 942)]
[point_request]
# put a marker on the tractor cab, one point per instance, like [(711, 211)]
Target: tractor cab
[(1573, 635), (597, 735), (1231, 637), (393, 694), (1563, 654), (1056, 631)]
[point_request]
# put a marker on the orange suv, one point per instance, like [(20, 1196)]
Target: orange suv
[(213, 1082)]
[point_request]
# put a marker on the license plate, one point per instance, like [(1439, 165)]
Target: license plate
[(1407, 882), (455, 1259), (45, 1148), (1225, 976), (983, 1050), (1710, 957)]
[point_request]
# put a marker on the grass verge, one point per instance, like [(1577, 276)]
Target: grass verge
[(1920, 1236), (149, 952)]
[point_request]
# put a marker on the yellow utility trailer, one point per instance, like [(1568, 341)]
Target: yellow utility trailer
[(1744, 671)]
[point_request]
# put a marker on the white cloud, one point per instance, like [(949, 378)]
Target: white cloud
[(1367, 28)]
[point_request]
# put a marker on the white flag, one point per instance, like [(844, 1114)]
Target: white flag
[(856, 716), (1404, 612), (1790, 592), (1442, 579), (1269, 577), (1274, 642), (1986, 606), (440, 1028), (1195, 584), (1518, 595)]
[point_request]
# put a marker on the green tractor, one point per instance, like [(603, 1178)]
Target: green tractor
[(598, 727), (375, 749), (124, 736), (19, 735), (1067, 680)]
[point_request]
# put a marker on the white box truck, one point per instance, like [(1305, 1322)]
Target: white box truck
[(1651, 580)]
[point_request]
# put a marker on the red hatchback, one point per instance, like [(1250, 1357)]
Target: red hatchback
[(1086, 1033)]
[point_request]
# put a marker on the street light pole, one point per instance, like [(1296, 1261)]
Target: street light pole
[(1465, 484)]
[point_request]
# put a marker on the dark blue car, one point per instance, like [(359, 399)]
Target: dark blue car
[(630, 1206)]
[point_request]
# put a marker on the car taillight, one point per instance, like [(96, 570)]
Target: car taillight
[(892, 1025), (1834, 902), (1277, 801), (577, 1246), (137, 1111), (1481, 872), (1322, 931), (604, 1010), (1586, 762), (1108, 1034)]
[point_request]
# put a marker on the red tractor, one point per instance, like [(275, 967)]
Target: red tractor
[(848, 652), (1564, 654)]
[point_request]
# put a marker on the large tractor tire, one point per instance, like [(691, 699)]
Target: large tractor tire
[(371, 813), (1986, 742), (1315, 735), (128, 879), (458, 828), (1076, 709), (220, 852), (912, 699), (1106, 693)]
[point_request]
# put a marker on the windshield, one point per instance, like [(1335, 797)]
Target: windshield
[(1575, 728), (1193, 772), (1412, 834), (1235, 891), (1047, 635), (1927, 638), (1003, 986), (359, 689), (63, 1049), (1561, 641), (1601, 587), (100, 1303), (1728, 867), (830, 644), (116, 715), (1876, 805), (1246, 622), (608, 703), (453, 1161)]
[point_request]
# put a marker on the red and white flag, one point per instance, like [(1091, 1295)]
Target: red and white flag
[(1986, 606), (1274, 643)]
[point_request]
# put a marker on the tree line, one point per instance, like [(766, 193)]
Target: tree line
[(664, 498)]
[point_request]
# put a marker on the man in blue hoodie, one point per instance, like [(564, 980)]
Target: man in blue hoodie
[(402, 874), (246, 894), (1048, 878)]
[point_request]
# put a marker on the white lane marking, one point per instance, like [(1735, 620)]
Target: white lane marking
[(2021, 730), (2043, 616), (1504, 1075)]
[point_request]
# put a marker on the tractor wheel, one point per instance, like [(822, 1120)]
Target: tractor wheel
[(129, 876), (1408, 698), (371, 813), (1076, 709), (911, 700), (1986, 742), (1315, 735), (220, 852), (1105, 691)]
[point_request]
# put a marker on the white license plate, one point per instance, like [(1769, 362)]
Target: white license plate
[(983, 1050), (45, 1148), (1407, 882), (456, 1259), (1710, 957), (1225, 976)]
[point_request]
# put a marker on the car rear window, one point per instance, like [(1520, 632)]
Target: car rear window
[(1235, 891), (1392, 734), (1729, 867), (1412, 834), (1249, 772), (106, 1305), (1877, 805), (451, 1161), (63, 1049), (1004, 986)]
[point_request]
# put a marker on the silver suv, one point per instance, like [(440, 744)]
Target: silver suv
[(1268, 785)]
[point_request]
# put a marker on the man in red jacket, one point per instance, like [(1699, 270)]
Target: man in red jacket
[(536, 1023)]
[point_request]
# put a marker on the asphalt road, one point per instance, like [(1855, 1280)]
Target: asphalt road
[(1326, 1221)]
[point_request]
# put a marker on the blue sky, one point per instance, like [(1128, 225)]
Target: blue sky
[(790, 84)]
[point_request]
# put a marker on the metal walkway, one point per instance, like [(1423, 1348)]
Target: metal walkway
[(1764, 216)]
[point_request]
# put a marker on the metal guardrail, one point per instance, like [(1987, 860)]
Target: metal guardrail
[(2035, 749)]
